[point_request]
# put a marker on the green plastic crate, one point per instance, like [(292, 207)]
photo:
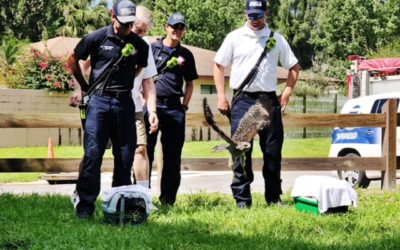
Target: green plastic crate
[(310, 205), (306, 204)]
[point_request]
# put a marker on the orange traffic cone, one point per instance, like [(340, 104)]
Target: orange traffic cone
[(50, 149)]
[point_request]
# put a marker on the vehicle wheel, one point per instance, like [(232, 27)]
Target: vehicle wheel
[(354, 177)]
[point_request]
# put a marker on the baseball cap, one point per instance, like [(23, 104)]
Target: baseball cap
[(176, 18), (256, 7), (125, 11)]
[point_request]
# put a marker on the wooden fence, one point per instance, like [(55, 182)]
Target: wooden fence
[(387, 163)]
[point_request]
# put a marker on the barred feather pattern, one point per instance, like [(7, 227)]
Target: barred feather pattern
[(254, 120)]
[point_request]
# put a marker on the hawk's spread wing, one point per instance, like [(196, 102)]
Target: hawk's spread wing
[(255, 119)]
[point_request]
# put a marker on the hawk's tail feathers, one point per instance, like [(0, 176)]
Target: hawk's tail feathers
[(210, 120)]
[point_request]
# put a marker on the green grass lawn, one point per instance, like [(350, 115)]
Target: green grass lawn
[(202, 221), (312, 147), (316, 147)]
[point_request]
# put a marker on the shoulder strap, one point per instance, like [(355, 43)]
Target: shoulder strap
[(253, 72), (100, 83)]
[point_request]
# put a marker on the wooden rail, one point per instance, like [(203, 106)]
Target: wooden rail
[(199, 164), (387, 163), (71, 120)]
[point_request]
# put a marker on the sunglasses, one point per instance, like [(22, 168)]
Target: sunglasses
[(178, 26), (255, 16), (125, 25)]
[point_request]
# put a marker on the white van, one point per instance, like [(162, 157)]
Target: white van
[(362, 141)]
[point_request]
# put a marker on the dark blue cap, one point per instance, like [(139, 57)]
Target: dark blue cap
[(125, 11), (256, 7), (176, 18)]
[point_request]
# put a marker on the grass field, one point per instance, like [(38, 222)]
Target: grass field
[(202, 221), (316, 147), (313, 147)]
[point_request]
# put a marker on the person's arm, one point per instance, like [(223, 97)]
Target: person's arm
[(187, 94), (219, 80), (76, 71), (292, 77), (149, 95), (138, 71)]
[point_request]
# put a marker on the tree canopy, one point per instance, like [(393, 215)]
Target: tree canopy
[(208, 21), (320, 32)]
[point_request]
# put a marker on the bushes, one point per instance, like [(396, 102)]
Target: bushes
[(21, 67), (10, 49), (44, 71)]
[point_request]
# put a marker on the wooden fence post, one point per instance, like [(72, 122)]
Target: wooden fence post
[(335, 108), (389, 145), (304, 111)]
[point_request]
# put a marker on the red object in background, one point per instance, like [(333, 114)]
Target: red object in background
[(386, 65), (353, 57), (349, 85)]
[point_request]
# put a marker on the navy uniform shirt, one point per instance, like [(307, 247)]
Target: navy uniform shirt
[(104, 49), (169, 82)]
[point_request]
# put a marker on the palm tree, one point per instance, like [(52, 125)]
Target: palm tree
[(81, 17)]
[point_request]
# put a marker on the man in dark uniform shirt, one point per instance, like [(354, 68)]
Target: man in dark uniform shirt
[(111, 112), (170, 110)]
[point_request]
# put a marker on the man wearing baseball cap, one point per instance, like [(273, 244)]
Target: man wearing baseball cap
[(110, 112), (173, 83), (125, 12), (241, 49)]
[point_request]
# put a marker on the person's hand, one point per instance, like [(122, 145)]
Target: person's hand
[(284, 98), (153, 120), (76, 98), (223, 106)]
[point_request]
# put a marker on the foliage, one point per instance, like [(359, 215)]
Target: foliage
[(388, 30), (318, 31), (37, 20), (208, 21), (202, 221), (10, 49), (45, 71), (30, 19), (355, 27), (295, 21), (389, 50), (341, 30), (81, 18)]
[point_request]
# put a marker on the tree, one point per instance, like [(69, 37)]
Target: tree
[(295, 20), (81, 18), (10, 49), (208, 21), (345, 27), (29, 19), (388, 29), (37, 20), (389, 50)]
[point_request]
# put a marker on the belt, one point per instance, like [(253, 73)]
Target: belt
[(168, 100), (115, 94), (257, 94)]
